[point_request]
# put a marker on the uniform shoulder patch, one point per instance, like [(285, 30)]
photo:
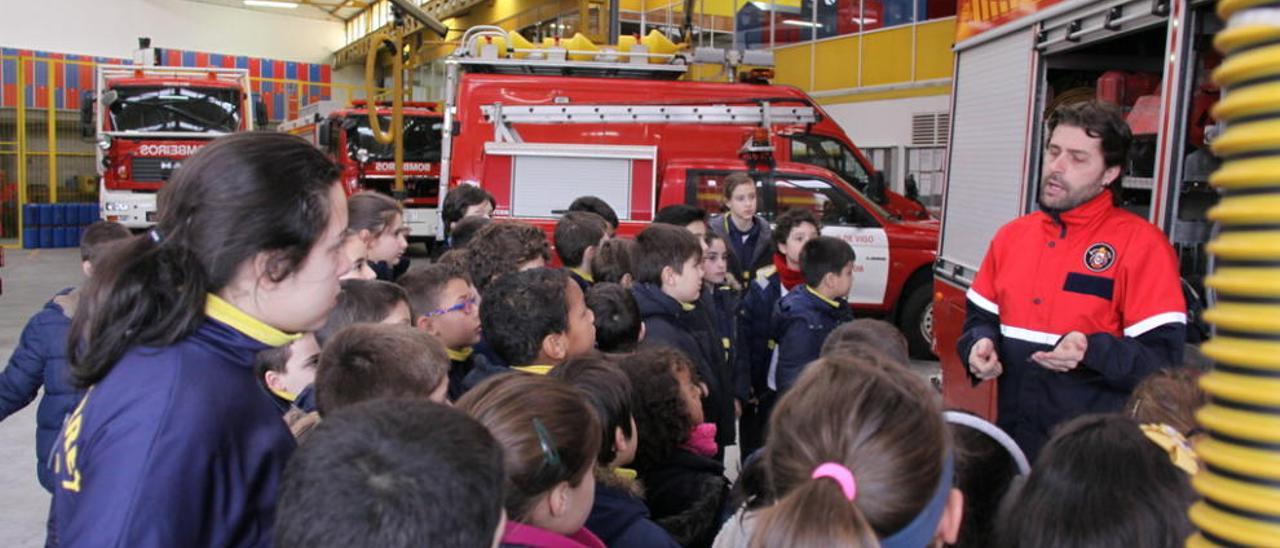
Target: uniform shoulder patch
[(1099, 257), (762, 275)]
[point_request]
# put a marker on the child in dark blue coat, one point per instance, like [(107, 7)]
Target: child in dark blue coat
[(749, 237), (794, 228), (806, 316), (619, 516), (578, 236), (669, 295), (175, 443), (40, 360)]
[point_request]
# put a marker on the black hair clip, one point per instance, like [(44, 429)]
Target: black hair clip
[(551, 457)]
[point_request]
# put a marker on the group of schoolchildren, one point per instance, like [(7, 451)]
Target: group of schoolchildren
[(264, 368)]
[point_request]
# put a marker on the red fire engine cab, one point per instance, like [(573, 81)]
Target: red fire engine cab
[(343, 132)]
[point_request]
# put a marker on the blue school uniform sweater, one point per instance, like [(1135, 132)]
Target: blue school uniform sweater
[(176, 446)]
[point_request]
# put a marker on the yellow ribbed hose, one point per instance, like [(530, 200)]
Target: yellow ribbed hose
[(1240, 479)]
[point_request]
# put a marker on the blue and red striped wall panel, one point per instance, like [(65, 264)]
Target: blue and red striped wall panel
[(71, 79)]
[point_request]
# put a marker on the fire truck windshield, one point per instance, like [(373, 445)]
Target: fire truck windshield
[(421, 139), (168, 108)]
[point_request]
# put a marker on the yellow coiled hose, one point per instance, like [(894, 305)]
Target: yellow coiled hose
[(1240, 479)]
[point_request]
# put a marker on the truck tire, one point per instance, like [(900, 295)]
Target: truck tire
[(916, 322)]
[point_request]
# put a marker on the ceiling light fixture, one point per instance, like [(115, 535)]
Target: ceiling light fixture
[(799, 23), (270, 4)]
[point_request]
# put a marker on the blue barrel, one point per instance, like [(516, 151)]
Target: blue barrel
[(30, 237), (59, 215), (73, 236), (31, 214), (94, 213), (46, 236), (59, 236), (88, 213)]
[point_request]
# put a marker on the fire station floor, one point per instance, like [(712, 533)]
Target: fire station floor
[(30, 279)]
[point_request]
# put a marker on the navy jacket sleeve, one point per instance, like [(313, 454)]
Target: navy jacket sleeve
[(798, 345), (644, 533), (1124, 362), (21, 379)]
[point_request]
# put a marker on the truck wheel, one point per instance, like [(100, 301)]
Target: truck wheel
[(916, 321)]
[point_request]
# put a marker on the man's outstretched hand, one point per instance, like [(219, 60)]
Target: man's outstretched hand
[(1066, 356)]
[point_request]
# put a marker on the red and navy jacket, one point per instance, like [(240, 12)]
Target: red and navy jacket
[(1096, 269), (176, 446)]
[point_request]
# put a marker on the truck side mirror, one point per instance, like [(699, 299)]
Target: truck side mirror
[(87, 125), (259, 114), (322, 133)]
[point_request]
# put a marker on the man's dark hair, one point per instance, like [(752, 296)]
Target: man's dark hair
[(680, 215), (392, 473), (595, 205), (660, 246), (608, 390), (465, 230), (575, 232), (1139, 498), (423, 285), (97, 237), (790, 219), (613, 260), (501, 247), (617, 317), (362, 301), (458, 199), (369, 361), (1098, 120), (824, 255), (521, 309)]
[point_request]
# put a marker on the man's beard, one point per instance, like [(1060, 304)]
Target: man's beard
[(1069, 201)]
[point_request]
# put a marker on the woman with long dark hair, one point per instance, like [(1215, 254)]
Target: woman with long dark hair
[(175, 444)]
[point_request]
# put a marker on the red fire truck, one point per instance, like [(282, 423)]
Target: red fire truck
[(149, 119), (1151, 57), (344, 133), (538, 132)]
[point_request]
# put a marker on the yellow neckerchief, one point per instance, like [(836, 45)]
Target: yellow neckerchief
[(459, 355), (625, 473), (687, 306), (535, 369), (284, 395), (225, 312), (583, 275), (1173, 443), (831, 302)]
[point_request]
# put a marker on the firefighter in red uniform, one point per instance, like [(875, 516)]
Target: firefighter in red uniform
[(1075, 303)]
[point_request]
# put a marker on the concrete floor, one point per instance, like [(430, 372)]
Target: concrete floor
[(30, 279)]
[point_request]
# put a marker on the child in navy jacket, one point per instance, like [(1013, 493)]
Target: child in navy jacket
[(175, 443), (40, 360), (806, 316)]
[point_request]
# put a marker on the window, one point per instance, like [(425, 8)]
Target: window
[(831, 154), (829, 203), (925, 166), (707, 189)]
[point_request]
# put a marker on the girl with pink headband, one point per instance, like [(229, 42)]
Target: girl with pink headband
[(858, 455)]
